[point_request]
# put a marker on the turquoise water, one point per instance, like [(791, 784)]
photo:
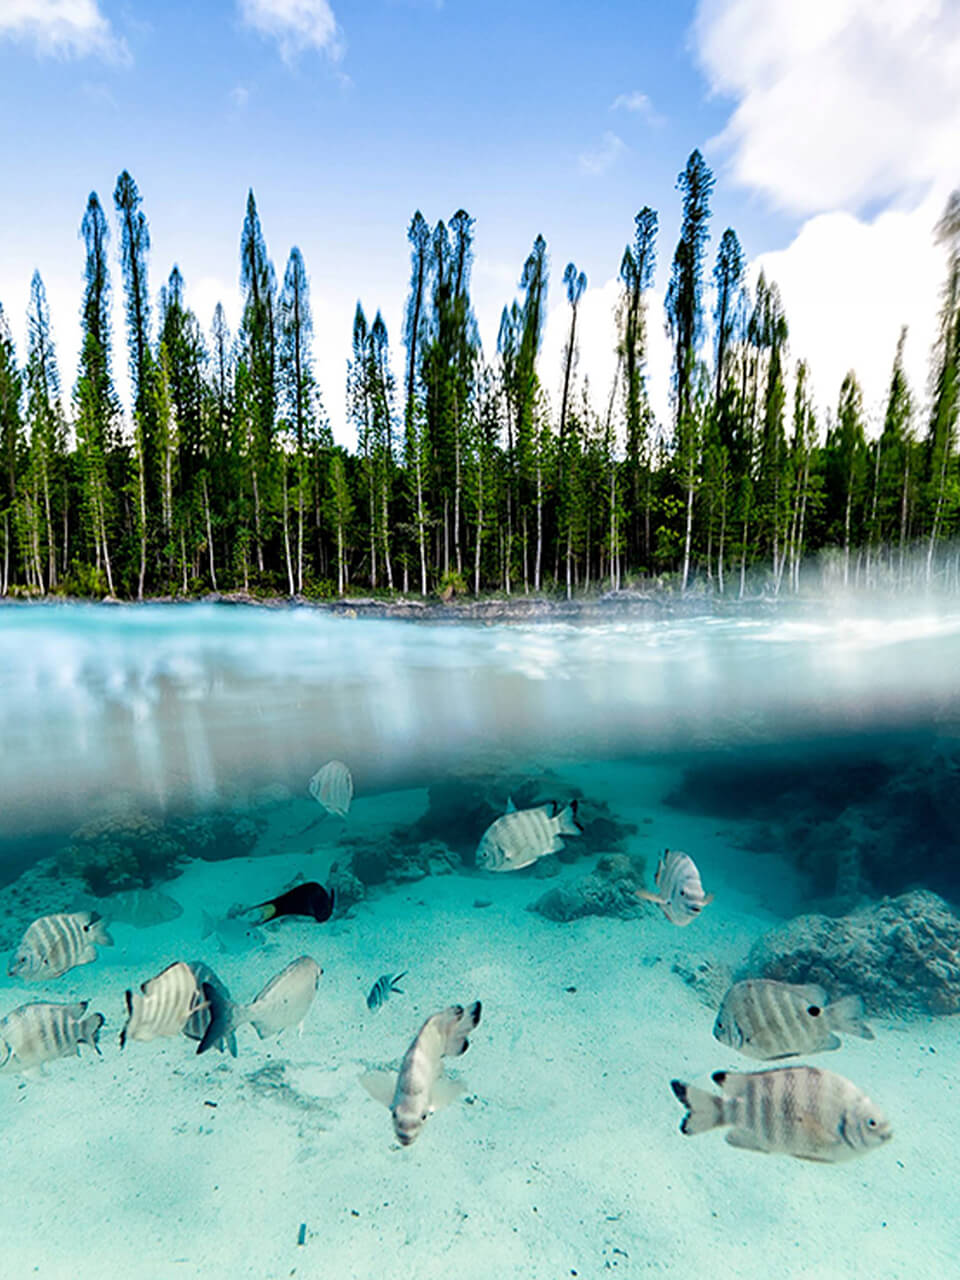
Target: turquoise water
[(809, 762)]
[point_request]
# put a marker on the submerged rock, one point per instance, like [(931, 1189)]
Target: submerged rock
[(899, 954), (609, 890), (709, 978)]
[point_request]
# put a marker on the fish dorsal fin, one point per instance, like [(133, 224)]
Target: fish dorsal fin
[(381, 1085), (444, 1092), (511, 807)]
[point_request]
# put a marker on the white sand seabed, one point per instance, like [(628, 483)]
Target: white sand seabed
[(565, 1158)]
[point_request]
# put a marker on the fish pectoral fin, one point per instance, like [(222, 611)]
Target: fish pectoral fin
[(743, 1138), (833, 1043), (445, 1091), (511, 807), (708, 898), (647, 896), (381, 1085)]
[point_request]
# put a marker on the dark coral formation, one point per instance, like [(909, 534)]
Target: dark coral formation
[(41, 890), (876, 817), (901, 954), (609, 890), (130, 849)]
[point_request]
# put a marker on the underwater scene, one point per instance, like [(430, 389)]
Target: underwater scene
[(348, 947)]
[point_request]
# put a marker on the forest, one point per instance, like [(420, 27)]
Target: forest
[(468, 477)]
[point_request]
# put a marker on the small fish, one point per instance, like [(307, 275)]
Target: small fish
[(679, 890), (231, 933), (797, 1111), (420, 1088), (213, 1023), (383, 987), (766, 1019), (285, 999), (332, 787), (307, 899), (163, 1005), (37, 1033), (520, 836), (54, 944), (141, 908)]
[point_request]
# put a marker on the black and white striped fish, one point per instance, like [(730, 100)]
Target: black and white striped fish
[(797, 1111), (679, 889), (213, 1023), (766, 1019), (40, 1032), (163, 1004), (520, 836), (54, 944), (383, 988)]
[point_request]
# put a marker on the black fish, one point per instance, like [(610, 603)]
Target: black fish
[(213, 1024), (308, 899)]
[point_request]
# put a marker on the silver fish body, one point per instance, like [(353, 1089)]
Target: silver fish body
[(141, 908), (163, 1005), (40, 1032), (213, 1023), (520, 836), (232, 933), (332, 787), (285, 1000), (765, 1019), (679, 889), (419, 1089), (382, 989), (54, 944), (798, 1111)]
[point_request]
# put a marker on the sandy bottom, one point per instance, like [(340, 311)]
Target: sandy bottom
[(563, 1160)]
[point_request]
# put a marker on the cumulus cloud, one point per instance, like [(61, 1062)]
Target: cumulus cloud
[(638, 103), (62, 29), (602, 158), (296, 25), (839, 103)]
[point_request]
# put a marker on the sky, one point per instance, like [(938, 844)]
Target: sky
[(831, 128)]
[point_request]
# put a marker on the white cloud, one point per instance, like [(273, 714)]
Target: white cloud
[(62, 29), (638, 103), (239, 96), (602, 158), (838, 102), (849, 285), (296, 25)]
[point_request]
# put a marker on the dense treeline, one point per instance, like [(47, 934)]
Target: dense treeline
[(223, 473)]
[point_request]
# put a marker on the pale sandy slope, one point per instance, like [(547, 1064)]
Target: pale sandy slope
[(566, 1161)]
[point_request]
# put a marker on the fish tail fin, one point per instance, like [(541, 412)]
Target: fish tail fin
[(97, 931), (459, 1023), (847, 1015), (704, 1110), (569, 825), (268, 911), (88, 1030), (395, 979)]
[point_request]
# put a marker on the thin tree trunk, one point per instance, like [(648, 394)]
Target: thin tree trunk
[(256, 520), (206, 512), (536, 566), (476, 555), (286, 527)]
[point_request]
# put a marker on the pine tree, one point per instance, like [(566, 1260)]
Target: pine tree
[(297, 384), (258, 337), (945, 377), (11, 443), (636, 275), (45, 417)]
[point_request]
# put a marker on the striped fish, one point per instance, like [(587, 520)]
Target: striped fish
[(382, 989), (54, 944), (766, 1019), (419, 1088), (679, 890), (285, 999), (163, 1004), (40, 1032), (521, 836), (332, 787), (213, 1023), (798, 1111)]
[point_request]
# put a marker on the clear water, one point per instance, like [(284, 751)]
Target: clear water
[(173, 746)]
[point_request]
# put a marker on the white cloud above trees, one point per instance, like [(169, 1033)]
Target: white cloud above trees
[(62, 29), (297, 26)]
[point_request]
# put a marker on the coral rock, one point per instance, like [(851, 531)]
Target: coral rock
[(609, 890)]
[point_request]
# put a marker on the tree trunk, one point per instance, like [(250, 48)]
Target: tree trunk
[(206, 511), (286, 527)]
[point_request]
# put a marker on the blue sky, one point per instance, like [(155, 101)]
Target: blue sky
[(561, 119)]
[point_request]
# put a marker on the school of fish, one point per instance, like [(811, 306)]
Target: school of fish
[(797, 1110)]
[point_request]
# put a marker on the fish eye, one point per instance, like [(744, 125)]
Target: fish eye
[(814, 1011), (872, 1123), (424, 1116)]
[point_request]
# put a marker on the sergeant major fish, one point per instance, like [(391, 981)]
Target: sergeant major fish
[(679, 890), (54, 944), (163, 1004), (419, 1088), (40, 1032), (766, 1019), (382, 989), (520, 836), (798, 1111)]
